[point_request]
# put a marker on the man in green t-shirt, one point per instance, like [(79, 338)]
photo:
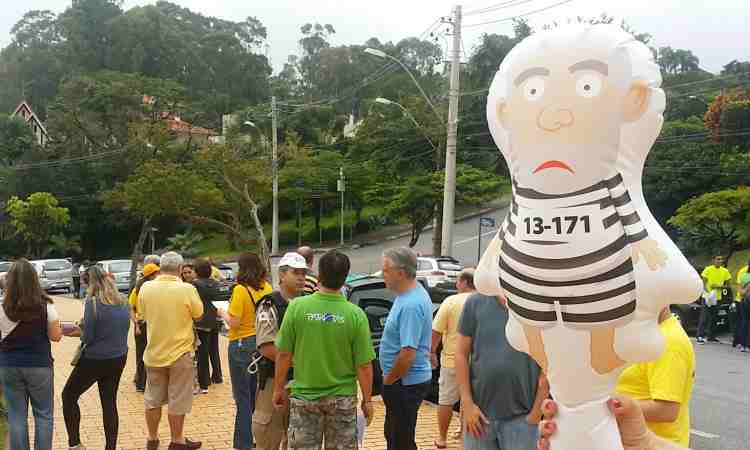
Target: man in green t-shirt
[(328, 340)]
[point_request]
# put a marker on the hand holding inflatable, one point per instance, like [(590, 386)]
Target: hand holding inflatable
[(582, 261)]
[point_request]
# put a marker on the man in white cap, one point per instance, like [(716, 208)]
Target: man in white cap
[(270, 424)]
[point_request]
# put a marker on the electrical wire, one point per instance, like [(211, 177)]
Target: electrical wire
[(496, 7), (518, 16)]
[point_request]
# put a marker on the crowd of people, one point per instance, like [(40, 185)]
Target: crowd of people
[(301, 358), (718, 283)]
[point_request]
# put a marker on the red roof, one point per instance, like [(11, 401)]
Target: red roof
[(175, 125)]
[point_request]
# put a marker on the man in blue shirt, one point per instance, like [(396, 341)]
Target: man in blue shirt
[(405, 349)]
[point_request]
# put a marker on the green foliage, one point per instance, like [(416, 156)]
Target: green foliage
[(185, 243), (36, 219), (16, 139), (716, 220), (673, 61)]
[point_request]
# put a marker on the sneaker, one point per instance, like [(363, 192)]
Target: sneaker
[(77, 447), (745, 350), (152, 445), (204, 391), (217, 381), (700, 340), (140, 390)]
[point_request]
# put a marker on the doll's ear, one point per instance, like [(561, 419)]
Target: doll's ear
[(501, 112), (636, 101)]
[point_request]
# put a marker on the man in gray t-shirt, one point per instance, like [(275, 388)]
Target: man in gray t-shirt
[(501, 393)]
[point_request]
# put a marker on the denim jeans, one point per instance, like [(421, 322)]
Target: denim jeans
[(401, 409), (243, 390), (21, 385), (506, 434)]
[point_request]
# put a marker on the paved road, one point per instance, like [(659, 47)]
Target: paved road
[(720, 409), (368, 259)]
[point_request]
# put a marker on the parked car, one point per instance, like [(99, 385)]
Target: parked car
[(5, 267), (120, 270), (370, 294), (439, 272), (55, 274), (689, 314), (228, 270)]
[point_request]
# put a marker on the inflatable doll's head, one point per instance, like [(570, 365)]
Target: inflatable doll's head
[(571, 104)]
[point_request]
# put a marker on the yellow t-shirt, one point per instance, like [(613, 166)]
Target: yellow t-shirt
[(715, 278), (669, 378), (133, 302), (240, 305), (169, 308), (738, 295), (446, 323)]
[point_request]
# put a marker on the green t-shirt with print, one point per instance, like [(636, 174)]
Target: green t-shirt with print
[(329, 338)]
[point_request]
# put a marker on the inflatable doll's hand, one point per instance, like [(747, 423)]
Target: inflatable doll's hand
[(655, 257)]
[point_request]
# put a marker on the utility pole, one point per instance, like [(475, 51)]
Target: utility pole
[(449, 190), (275, 174), (342, 188)]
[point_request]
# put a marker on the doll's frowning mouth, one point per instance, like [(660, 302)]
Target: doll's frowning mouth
[(553, 164)]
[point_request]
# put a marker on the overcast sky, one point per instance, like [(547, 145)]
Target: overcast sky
[(716, 30)]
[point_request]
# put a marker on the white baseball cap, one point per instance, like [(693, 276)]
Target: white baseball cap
[(293, 260)]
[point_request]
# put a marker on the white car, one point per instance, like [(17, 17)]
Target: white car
[(55, 274), (439, 271), (120, 271)]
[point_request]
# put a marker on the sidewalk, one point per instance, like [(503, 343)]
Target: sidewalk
[(212, 419)]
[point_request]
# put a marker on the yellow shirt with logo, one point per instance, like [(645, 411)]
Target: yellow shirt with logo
[(446, 323), (669, 378), (169, 308), (133, 302), (715, 278), (243, 307), (738, 295)]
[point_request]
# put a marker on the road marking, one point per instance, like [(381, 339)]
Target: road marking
[(703, 434), (474, 238)]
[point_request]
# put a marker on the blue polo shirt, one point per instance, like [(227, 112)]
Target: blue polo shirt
[(409, 324)]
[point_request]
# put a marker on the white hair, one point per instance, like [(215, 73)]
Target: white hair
[(171, 262), (629, 60), (403, 259), (152, 259)]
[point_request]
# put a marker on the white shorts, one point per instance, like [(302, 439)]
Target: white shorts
[(449, 393)]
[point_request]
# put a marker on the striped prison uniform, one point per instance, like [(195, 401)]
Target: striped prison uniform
[(584, 283)]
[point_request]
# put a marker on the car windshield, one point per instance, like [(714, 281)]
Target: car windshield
[(119, 267), (56, 265), (447, 265), (4, 267)]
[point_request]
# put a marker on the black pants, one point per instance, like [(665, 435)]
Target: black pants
[(106, 374), (742, 334), (401, 408), (208, 353), (77, 287), (140, 347), (707, 322)]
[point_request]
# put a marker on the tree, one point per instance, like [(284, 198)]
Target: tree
[(674, 61), (728, 116), (719, 220), (37, 219), (16, 140), (158, 190)]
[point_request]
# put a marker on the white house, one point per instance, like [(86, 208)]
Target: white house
[(25, 112)]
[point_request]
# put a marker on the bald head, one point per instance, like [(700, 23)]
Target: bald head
[(308, 254)]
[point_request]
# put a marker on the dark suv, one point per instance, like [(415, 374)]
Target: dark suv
[(375, 299)]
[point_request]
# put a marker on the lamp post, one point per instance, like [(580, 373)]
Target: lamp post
[(382, 54), (385, 101)]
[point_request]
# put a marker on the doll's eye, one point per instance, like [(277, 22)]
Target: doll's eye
[(589, 85), (533, 88)]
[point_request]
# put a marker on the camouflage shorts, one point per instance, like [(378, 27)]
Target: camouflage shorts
[(334, 418)]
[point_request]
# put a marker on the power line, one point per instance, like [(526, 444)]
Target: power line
[(518, 16), (498, 6)]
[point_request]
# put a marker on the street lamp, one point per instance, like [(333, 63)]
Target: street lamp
[(406, 112), (382, 54)]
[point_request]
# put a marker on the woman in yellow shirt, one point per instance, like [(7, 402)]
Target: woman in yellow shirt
[(251, 287)]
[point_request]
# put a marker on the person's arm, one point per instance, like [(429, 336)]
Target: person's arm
[(195, 304), (660, 410), (283, 363), (542, 393), (401, 366), (364, 376), (436, 339), (236, 308), (463, 350), (54, 330)]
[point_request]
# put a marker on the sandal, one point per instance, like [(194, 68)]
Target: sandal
[(441, 446)]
